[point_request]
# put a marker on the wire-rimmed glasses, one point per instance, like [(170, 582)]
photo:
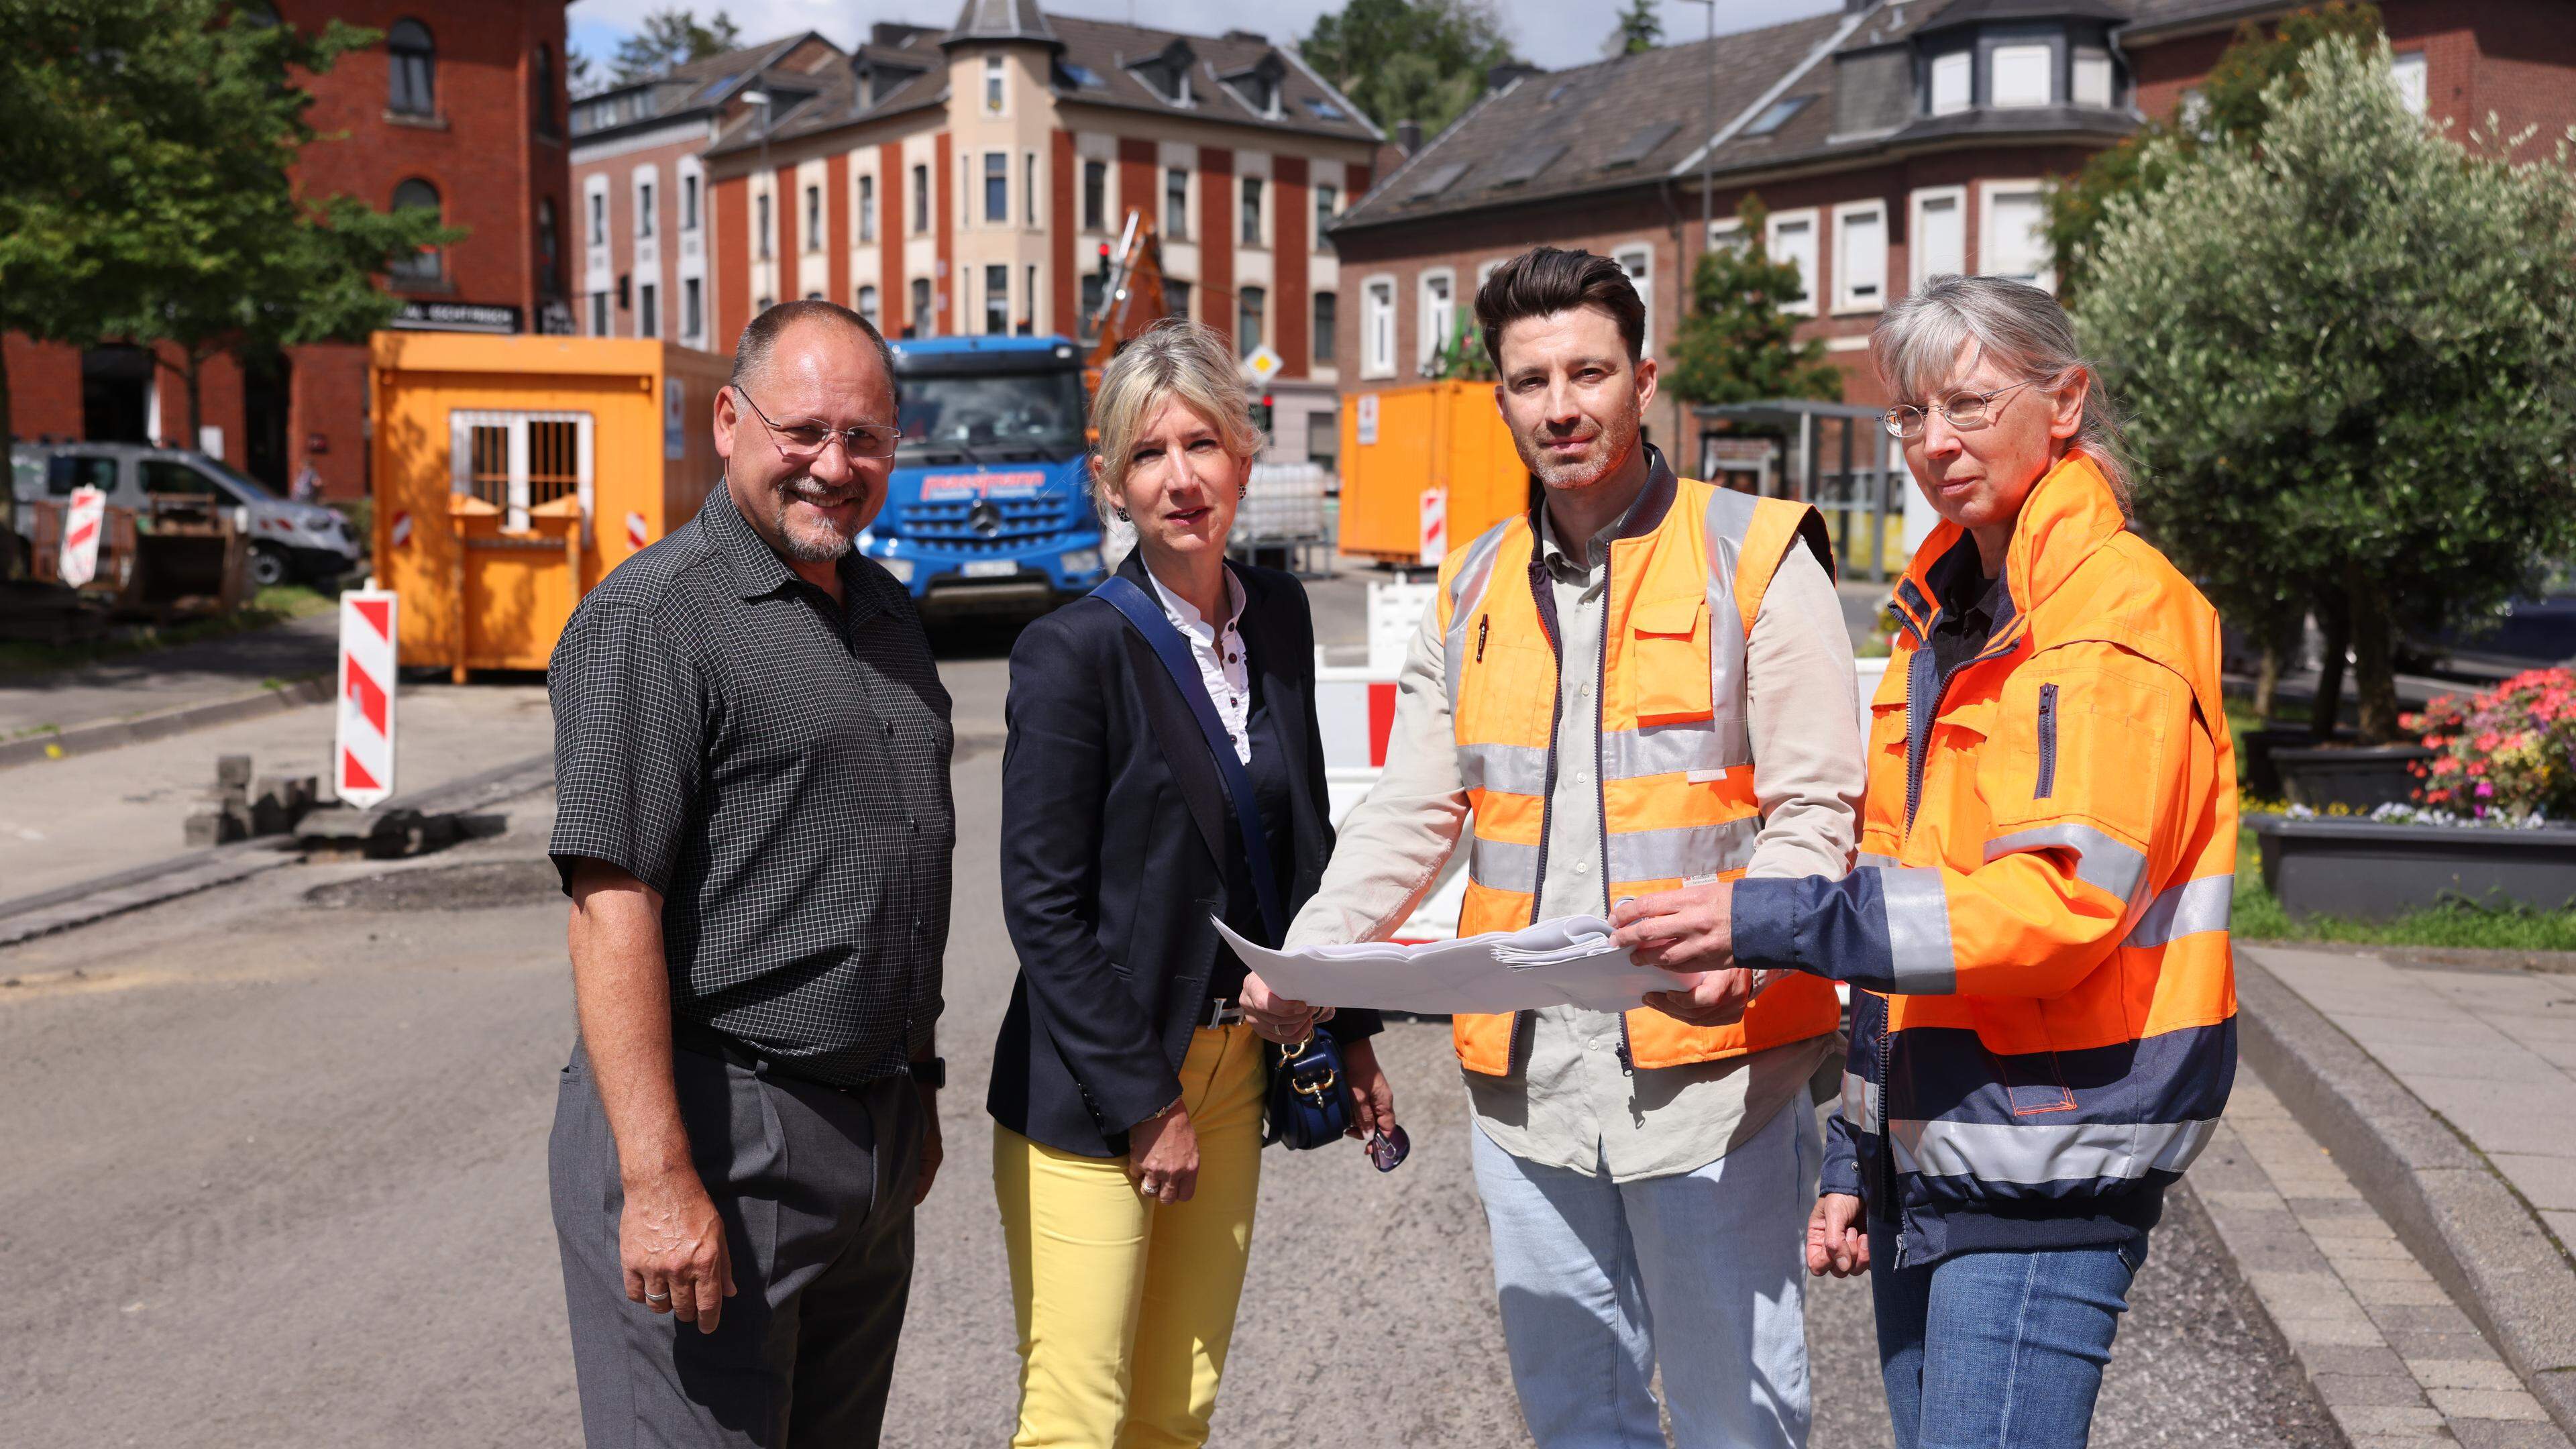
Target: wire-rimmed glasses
[(802, 440), (1965, 411)]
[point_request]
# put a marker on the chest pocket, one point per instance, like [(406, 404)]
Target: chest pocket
[(1507, 691), (1668, 660)]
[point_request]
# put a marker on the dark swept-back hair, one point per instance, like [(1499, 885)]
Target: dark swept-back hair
[(751, 353), (1545, 280)]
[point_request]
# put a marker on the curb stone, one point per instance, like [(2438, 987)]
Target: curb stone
[(2445, 1203), (89, 739)]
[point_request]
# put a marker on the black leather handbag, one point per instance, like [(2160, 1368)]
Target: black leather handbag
[(1309, 1105)]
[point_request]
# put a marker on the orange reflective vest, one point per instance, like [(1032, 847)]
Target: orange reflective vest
[(1672, 757), (2043, 1019)]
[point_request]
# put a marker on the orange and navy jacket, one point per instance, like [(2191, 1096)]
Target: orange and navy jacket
[(1672, 757), (2044, 1019)]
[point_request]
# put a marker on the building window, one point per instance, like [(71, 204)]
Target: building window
[(814, 296), (414, 91), (2093, 79), (1639, 263), (997, 301), (1176, 204), (1324, 438), (867, 209), (1095, 290), (921, 318), (1029, 189), (1029, 303), (1437, 312), (762, 222), (644, 210), (542, 72), (1095, 196), (1328, 204), (813, 218), (1940, 233), (1793, 240), (2021, 76), (997, 186), (1252, 211), (1860, 258), (1951, 75), (1377, 328), (1176, 296), (598, 234), (1327, 317), (688, 203), (549, 250), (1251, 314), (920, 200), (995, 93), (763, 305), (427, 264), (868, 306), (2012, 244), (648, 311), (693, 309), (599, 314), (2411, 76), (1726, 236)]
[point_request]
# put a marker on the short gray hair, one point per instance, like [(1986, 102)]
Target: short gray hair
[(1173, 360), (1917, 341), (760, 338)]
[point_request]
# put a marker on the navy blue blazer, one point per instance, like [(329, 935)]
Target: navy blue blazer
[(1115, 833)]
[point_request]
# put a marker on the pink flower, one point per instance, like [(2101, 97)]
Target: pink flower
[(2486, 789)]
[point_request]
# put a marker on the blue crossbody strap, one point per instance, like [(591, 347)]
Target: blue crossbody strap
[(1149, 620)]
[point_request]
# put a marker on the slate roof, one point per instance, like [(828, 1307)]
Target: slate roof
[(1000, 20), (702, 85)]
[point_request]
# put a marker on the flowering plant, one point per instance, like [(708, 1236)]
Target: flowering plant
[(2510, 751)]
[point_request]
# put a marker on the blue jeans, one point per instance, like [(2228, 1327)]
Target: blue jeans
[(1997, 1350), (1703, 1273)]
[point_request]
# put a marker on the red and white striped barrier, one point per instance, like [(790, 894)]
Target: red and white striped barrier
[(401, 529), (635, 538), (84, 519), (1435, 526), (363, 774)]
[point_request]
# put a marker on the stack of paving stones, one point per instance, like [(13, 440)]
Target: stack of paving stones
[(239, 809), (2396, 1362)]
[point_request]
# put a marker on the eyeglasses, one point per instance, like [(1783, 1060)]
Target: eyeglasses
[(1967, 412), (806, 440)]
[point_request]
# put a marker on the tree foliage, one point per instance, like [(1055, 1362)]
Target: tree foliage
[(2231, 103), (1408, 60), (671, 37), (2349, 343), (1461, 356), (1737, 344), (1639, 29)]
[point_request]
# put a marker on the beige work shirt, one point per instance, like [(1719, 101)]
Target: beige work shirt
[(1572, 1104)]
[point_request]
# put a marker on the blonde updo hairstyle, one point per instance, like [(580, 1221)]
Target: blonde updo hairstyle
[(1175, 360)]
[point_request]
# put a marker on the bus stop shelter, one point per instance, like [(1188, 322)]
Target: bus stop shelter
[(1835, 456)]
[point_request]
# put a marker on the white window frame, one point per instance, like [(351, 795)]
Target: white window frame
[(1315, 221), (640, 188), (997, 85), (461, 423), (1918, 257), (1958, 65), (1427, 337), (2412, 73), (1244, 182), (2022, 98), (2046, 277), (1726, 232), (1378, 331), (1845, 300), (867, 224), (865, 303), (2094, 62), (1815, 221), (1637, 259)]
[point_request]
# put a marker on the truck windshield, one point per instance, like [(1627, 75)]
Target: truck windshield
[(992, 417)]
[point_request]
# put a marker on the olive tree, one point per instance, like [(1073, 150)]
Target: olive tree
[(2348, 344)]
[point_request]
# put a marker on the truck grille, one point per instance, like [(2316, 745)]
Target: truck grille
[(986, 526)]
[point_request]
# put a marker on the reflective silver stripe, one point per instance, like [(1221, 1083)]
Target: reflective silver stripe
[(2100, 861), (1683, 852), (2031, 1153), (1503, 866), (1726, 523), (1868, 861), (1512, 769), (1466, 591), (1919, 956), (1667, 749), (2185, 910), (1860, 1102)]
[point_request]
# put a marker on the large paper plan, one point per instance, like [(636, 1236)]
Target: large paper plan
[(1569, 961)]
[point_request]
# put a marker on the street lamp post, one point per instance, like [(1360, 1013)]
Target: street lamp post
[(768, 178), (1708, 150)]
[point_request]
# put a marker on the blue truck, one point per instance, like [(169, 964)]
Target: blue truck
[(987, 511)]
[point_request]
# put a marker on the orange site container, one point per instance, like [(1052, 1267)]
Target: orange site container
[(1445, 435), (512, 473)]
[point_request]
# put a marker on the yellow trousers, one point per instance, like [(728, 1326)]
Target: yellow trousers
[(1125, 1306)]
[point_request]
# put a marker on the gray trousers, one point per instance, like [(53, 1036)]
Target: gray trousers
[(815, 1188)]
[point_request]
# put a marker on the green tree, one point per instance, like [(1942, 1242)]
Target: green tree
[(2231, 103), (1639, 29), (1461, 356), (2349, 343), (672, 37), (1408, 60), (1737, 344)]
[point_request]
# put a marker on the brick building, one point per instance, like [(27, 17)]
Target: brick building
[(640, 183), (460, 107), (966, 180), (1889, 141)]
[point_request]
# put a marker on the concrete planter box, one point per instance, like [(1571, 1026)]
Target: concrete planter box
[(2357, 778), (2370, 871), (2254, 767)]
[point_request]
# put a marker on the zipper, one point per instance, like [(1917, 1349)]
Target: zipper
[(1547, 801), (1600, 785), (2047, 742), (1887, 1139), (1627, 1052), (1484, 622)]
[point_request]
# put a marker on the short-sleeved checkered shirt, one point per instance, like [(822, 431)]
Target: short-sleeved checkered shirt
[(777, 767)]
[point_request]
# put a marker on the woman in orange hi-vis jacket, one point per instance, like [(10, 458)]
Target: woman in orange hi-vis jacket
[(2043, 1020)]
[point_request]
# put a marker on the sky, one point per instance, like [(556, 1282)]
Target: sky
[(1552, 33)]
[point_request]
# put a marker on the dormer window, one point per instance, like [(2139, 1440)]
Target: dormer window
[(1167, 72), (2020, 76), (1953, 79), (2018, 55), (2094, 85), (1258, 85)]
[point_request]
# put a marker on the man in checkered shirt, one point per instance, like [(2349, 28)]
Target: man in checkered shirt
[(754, 825)]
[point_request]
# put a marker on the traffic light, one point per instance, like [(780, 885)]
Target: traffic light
[(1261, 414)]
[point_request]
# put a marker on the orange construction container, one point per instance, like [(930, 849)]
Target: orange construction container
[(512, 473), (1400, 441)]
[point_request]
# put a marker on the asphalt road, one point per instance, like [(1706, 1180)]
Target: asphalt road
[(276, 1178)]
